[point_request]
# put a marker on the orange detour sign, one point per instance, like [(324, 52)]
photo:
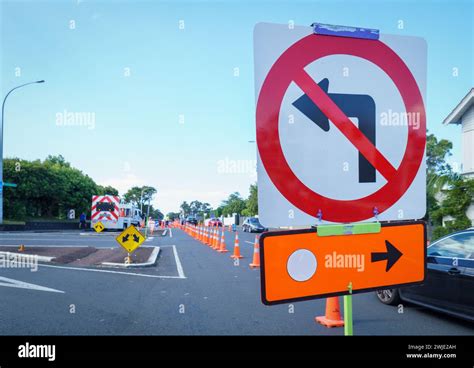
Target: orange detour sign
[(302, 264)]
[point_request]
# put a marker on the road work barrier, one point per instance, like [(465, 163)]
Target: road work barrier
[(215, 239)]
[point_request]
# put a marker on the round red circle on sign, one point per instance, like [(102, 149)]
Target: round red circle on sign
[(287, 66)]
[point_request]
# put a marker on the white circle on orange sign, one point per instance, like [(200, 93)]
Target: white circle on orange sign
[(302, 265)]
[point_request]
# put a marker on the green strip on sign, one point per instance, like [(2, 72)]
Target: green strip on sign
[(349, 229)]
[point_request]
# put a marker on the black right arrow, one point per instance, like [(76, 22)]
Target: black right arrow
[(125, 238), (391, 255), (136, 238)]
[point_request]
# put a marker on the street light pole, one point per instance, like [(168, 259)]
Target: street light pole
[(141, 201), (1, 143)]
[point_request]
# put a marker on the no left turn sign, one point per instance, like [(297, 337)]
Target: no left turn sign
[(341, 126)]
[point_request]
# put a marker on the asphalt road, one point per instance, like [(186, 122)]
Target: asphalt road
[(193, 290)]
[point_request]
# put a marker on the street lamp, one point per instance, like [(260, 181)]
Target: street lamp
[(1, 143)]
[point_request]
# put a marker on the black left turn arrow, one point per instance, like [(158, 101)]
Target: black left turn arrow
[(125, 238), (391, 255)]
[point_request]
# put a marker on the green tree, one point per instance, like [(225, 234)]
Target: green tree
[(458, 197), (139, 196), (233, 204), (185, 208), (438, 171), (251, 203), (101, 190), (198, 208), (172, 216), (45, 189), (448, 194), (153, 213)]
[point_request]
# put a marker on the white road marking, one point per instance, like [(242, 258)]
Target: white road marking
[(150, 238), (40, 234), (50, 239), (171, 233), (44, 246), (110, 271), (178, 263), (26, 285), (249, 242)]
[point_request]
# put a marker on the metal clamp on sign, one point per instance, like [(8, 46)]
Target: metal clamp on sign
[(349, 229), (345, 31)]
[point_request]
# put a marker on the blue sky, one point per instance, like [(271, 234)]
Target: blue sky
[(182, 111)]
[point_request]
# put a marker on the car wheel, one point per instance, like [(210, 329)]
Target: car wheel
[(389, 296)]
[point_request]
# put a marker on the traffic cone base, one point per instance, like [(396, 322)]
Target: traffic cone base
[(329, 322), (333, 314)]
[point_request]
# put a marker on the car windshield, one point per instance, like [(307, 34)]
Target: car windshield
[(458, 245), (254, 221)]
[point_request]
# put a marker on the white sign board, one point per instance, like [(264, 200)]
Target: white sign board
[(341, 126)]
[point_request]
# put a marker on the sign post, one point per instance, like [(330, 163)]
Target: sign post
[(348, 311)]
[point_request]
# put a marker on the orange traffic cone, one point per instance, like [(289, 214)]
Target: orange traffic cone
[(211, 238), (216, 240), (222, 248), (208, 237), (333, 314), (256, 254), (236, 248), (215, 246)]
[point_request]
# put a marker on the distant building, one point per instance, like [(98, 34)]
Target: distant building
[(463, 114)]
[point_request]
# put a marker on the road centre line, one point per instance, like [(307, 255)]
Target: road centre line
[(178, 263), (45, 246)]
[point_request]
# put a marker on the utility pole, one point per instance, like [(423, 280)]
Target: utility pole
[(1, 143)]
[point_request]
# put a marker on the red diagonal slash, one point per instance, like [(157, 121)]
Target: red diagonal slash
[(344, 124)]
